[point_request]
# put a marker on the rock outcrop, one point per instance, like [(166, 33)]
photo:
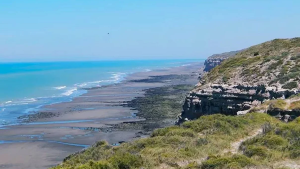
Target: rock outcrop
[(217, 59), (247, 80), (229, 100), (283, 109)]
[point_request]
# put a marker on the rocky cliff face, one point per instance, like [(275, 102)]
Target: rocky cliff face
[(217, 59), (229, 100), (239, 84)]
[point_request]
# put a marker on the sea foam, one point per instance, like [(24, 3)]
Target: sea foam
[(60, 87), (69, 92), (117, 77)]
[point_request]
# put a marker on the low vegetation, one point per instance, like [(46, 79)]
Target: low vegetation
[(186, 146), (289, 105), (278, 60), (276, 147), (277, 104), (295, 105)]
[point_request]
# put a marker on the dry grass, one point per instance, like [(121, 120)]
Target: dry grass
[(173, 146)]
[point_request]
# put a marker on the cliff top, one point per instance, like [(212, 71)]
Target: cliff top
[(224, 55), (273, 63)]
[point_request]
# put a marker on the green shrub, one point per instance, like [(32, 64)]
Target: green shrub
[(295, 69), (174, 131), (284, 70), (283, 79), (192, 165), (201, 142), (295, 152), (163, 131), (188, 152), (126, 161), (259, 151), (270, 141), (96, 165), (295, 57), (217, 124), (290, 85), (275, 142), (274, 66), (277, 104), (285, 54), (238, 161)]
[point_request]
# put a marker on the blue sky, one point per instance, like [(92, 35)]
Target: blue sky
[(54, 30)]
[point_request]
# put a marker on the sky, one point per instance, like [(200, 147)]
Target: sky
[(74, 30)]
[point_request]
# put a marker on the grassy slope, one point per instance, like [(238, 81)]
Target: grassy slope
[(185, 146), (278, 144), (278, 60)]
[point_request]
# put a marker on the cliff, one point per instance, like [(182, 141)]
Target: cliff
[(217, 59), (267, 71)]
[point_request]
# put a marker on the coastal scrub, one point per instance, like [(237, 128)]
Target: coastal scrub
[(176, 146)]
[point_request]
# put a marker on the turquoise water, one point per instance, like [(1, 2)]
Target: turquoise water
[(25, 87)]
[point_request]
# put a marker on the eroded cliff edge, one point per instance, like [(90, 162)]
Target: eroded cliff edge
[(217, 59), (250, 78)]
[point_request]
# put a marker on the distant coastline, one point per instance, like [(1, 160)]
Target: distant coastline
[(47, 93)]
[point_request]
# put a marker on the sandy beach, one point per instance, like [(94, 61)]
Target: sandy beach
[(58, 130)]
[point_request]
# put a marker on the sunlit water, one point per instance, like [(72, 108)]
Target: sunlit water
[(25, 87)]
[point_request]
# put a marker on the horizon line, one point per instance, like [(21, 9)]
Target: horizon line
[(108, 60)]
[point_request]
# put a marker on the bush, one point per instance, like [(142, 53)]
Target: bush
[(96, 165), (217, 124), (259, 151), (174, 131), (163, 131), (275, 142), (278, 104), (274, 66), (295, 153), (270, 141), (295, 57), (126, 161), (201, 142), (238, 161), (290, 85)]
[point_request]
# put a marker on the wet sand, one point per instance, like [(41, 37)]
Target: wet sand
[(59, 130)]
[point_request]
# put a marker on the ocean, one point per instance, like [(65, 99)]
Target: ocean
[(26, 87)]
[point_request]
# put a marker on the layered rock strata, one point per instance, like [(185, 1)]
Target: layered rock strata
[(263, 72), (229, 100)]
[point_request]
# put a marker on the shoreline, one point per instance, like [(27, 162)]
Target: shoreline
[(103, 113), (85, 93), (37, 104)]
